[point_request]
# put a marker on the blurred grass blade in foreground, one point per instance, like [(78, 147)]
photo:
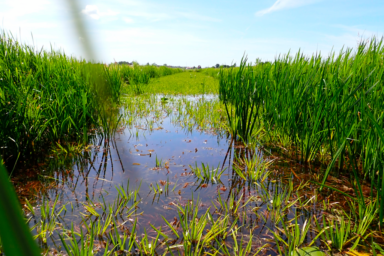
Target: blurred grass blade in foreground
[(81, 30), (14, 234)]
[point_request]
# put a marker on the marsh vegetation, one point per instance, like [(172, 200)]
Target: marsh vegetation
[(282, 158)]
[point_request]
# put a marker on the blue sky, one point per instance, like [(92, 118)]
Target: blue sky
[(196, 32)]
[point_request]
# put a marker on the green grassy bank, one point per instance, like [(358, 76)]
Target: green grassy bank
[(48, 97), (188, 82), (324, 109)]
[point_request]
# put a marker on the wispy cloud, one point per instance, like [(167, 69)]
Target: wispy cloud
[(359, 31), (285, 4), (93, 12), (350, 36)]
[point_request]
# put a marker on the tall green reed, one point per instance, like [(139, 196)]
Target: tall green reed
[(48, 96), (332, 104), (238, 91)]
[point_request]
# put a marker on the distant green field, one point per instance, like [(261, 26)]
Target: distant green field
[(184, 83)]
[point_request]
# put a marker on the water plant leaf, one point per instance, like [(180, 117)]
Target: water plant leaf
[(338, 153), (356, 253), (14, 233), (308, 251)]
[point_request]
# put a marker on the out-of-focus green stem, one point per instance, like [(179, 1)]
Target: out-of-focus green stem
[(14, 233)]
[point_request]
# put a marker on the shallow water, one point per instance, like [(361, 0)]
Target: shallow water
[(130, 156)]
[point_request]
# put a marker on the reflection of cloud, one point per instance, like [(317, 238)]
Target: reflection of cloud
[(285, 4), (93, 12)]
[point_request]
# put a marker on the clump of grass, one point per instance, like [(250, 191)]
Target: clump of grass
[(123, 242), (47, 96), (206, 173), (290, 237), (126, 194), (318, 104), (240, 95), (336, 232), (159, 162), (49, 216), (146, 246), (253, 168), (341, 231), (156, 188), (80, 244)]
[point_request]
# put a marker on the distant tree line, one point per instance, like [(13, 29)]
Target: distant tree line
[(224, 66), (258, 62)]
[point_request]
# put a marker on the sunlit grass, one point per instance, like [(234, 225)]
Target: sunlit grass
[(284, 103), (184, 83), (326, 108)]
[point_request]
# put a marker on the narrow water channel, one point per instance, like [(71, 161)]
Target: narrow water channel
[(159, 152)]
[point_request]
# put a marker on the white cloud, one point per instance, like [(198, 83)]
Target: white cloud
[(128, 20), (22, 7), (93, 12), (285, 4)]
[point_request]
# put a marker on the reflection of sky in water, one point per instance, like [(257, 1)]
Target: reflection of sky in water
[(117, 164), (131, 158)]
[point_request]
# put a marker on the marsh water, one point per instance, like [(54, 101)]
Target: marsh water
[(156, 150)]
